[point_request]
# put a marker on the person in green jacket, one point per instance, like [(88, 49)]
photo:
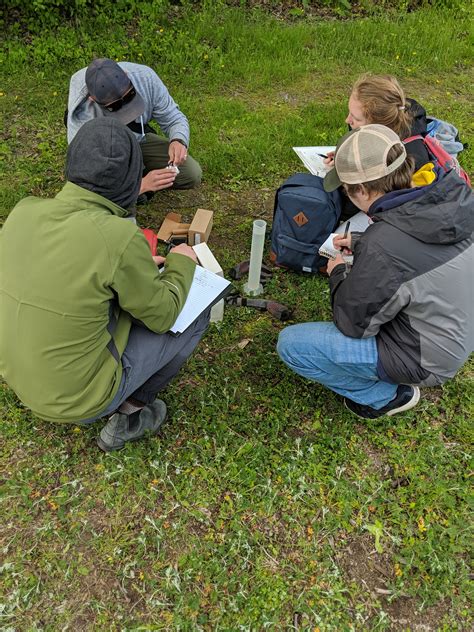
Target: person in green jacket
[(84, 313)]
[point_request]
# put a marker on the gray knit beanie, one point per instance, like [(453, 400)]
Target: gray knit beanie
[(105, 157)]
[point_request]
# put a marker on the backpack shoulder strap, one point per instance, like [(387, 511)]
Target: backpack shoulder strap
[(410, 138)]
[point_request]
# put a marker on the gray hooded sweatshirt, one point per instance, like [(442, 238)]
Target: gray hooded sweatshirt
[(159, 105)]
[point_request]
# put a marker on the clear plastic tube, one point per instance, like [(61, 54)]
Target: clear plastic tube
[(253, 286)]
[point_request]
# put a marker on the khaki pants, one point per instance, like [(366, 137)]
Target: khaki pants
[(155, 156)]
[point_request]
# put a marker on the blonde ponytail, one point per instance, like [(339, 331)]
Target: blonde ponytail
[(383, 102)]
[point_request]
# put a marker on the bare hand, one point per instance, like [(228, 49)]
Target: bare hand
[(177, 153), (332, 263), (329, 161), (158, 179), (158, 259), (343, 243), (184, 249)]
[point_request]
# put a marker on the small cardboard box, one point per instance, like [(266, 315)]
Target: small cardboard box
[(201, 226), (172, 226)]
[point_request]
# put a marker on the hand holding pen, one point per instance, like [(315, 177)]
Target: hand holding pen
[(328, 158), (343, 242)]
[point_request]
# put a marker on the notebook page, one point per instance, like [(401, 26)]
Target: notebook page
[(311, 159), (206, 287)]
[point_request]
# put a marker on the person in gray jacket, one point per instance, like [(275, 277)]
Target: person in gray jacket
[(404, 313), (135, 95)]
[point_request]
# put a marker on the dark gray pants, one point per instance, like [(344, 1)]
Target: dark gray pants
[(150, 361)]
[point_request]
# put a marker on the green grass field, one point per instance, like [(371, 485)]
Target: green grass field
[(264, 504)]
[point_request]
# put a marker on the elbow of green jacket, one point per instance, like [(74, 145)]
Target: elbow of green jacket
[(164, 321)]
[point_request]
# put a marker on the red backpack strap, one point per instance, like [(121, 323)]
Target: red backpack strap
[(440, 156), (408, 140)]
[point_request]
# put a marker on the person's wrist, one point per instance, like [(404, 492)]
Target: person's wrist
[(180, 141)]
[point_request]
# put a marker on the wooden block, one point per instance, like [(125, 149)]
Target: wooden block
[(207, 259), (200, 227)]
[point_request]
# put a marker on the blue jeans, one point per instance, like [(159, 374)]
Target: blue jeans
[(348, 366)]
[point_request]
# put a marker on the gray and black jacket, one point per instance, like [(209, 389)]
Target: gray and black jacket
[(412, 282)]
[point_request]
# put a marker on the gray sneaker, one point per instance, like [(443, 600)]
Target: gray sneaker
[(122, 428)]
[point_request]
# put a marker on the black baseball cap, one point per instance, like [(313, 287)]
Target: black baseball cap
[(111, 88)]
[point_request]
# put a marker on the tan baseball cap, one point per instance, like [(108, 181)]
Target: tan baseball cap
[(361, 156)]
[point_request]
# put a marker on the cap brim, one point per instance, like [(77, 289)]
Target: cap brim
[(128, 112), (331, 181)]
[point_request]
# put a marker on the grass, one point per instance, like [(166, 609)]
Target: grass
[(264, 504)]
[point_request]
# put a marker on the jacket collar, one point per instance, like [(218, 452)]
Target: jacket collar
[(73, 194)]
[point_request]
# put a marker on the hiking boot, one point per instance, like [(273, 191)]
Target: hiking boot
[(123, 428), (407, 397)]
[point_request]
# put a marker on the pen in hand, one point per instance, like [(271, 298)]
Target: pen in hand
[(322, 155), (347, 229), (345, 249)]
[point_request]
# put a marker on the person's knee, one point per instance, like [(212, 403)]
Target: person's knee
[(190, 176), (285, 346), (298, 348), (202, 323), (196, 174)]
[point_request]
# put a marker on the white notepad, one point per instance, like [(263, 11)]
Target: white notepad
[(312, 160), (207, 288), (358, 224)]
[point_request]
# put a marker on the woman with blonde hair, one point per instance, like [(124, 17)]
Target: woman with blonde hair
[(380, 99)]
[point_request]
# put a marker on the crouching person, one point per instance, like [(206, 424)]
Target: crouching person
[(84, 311), (403, 314)]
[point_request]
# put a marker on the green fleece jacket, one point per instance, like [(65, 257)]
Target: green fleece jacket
[(72, 273)]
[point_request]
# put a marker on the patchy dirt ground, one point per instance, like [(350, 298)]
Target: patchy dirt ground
[(371, 572)]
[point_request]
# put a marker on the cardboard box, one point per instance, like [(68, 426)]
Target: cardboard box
[(172, 226), (201, 226)]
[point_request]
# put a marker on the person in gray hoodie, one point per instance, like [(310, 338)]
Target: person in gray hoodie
[(404, 313), (135, 95)]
